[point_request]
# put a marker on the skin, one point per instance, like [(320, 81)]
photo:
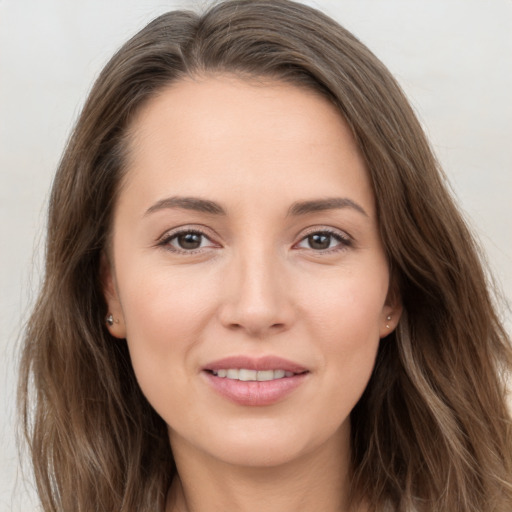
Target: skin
[(256, 285)]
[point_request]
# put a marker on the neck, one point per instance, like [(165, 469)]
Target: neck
[(316, 481)]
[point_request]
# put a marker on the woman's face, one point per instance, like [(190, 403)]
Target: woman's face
[(247, 273)]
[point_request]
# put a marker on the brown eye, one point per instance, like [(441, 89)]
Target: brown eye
[(187, 241), (325, 241), (319, 241)]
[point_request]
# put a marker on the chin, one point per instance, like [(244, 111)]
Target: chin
[(266, 443), (259, 454)]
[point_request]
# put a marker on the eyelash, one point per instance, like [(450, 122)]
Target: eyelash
[(166, 240), (344, 240)]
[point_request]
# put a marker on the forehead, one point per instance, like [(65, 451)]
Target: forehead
[(222, 131)]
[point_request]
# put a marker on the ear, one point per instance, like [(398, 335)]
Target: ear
[(391, 311), (116, 326)]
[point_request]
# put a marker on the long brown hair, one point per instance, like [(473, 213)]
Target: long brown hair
[(432, 430)]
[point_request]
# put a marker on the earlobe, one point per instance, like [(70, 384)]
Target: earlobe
[(114, 320), (389, 320), (391, 312)]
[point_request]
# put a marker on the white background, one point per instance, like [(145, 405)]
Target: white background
[(452, 57)]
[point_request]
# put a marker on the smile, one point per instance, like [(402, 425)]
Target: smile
[(246, 375), (255, 381)]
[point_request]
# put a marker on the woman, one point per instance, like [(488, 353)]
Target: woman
[(259, 293)]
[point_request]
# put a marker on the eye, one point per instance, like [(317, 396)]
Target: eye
[(324, 241), (187, 241)]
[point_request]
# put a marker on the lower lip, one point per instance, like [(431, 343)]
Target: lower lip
[(255, 393)]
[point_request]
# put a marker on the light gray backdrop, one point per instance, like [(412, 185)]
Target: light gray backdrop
[(452, 57)]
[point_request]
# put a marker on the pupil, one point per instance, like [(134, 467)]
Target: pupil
[(190, 240), (319, 241)]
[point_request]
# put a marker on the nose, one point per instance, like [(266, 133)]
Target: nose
[(256, 296)]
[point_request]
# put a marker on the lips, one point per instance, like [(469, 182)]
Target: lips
[(255, 363), (244, 374), (254, 381)]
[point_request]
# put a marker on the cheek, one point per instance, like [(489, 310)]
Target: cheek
[(165, 314), (346, 319), (348, 307), (165, 302)]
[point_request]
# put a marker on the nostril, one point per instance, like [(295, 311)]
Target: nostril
[(256, 317)]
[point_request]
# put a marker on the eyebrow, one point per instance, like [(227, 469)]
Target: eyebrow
[(297, 208), (187, 203), (320, 205)]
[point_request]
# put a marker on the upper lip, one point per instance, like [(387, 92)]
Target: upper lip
[(255, 363)]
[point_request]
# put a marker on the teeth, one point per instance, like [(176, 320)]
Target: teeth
[(232, 374), (266, 375), (245, 375)]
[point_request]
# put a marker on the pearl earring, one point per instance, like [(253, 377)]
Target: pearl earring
[(388, 319)]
